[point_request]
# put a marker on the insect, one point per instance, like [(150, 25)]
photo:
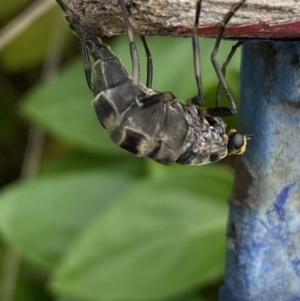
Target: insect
[(148, 123)]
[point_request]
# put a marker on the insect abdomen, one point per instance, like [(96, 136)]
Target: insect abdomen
[(109, 71), (153, 131)]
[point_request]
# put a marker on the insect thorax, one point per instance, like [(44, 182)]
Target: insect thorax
[(206, 140)]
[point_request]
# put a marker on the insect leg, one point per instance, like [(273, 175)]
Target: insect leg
[(149, 63), (133, 51), (87, 64), (216, 112), (86, 57), (223, 69), (199, 99), (62, 5), (215, 63)]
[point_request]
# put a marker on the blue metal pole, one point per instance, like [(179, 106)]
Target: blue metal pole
[(263, 233)]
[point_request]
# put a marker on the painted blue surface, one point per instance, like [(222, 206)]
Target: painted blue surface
[(263, 235), (281, 201)]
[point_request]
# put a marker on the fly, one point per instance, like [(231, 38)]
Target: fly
[(154, 124)]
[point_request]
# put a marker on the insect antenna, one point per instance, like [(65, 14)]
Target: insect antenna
[(215, 63)]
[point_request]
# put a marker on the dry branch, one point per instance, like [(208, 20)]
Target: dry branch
[(176, 17)]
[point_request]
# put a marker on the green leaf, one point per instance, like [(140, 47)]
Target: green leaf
[(190, 297), (81, 161), (163, 237), (69, 299), (42, 217), (63, 107)]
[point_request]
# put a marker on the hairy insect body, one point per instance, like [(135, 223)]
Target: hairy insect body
[(149, 123), (206, 140), (163, 129)]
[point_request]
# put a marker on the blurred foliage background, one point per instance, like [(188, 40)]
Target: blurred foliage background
[(80, 218)]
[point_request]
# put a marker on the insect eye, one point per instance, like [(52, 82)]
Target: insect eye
[(237, 141)]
